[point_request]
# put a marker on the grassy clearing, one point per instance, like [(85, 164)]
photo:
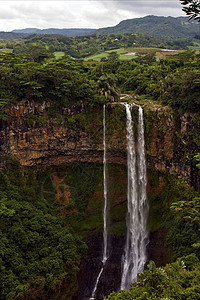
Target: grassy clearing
[(96, 57), (121, 52), (59, 54), (6, 50)]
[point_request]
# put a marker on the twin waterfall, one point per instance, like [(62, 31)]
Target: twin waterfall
[(134, 258)]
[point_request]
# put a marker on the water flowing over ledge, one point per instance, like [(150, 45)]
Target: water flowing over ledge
[(134, 258)]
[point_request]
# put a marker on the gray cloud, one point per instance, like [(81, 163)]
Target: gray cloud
[(42, 14), (80, 13), (6, 13), (147, 7)]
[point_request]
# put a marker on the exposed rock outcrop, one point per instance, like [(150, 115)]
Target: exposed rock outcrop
[(34, 137)]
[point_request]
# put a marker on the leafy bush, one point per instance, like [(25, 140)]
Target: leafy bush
[(178, 280)]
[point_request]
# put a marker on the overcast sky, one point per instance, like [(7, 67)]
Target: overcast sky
[(80, 13)]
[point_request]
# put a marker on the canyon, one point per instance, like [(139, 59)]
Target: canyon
[(71, 141), (34, 138)]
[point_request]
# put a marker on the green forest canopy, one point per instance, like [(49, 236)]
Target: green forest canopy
[(173, 81)]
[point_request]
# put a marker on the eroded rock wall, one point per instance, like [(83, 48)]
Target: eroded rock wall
[(35, 137)]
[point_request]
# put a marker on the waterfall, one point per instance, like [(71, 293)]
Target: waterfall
[(134, 257), (105, 225)]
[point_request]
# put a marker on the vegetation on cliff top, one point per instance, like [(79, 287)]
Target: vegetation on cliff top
[(62, 82), (174, 80)]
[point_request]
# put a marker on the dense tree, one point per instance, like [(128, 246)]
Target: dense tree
[(174, 80), (62, 82), (112, 56), (38, 248), (107, 86), (178, 280)]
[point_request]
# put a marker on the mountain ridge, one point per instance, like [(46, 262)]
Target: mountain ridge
[(157, 26), (175, 27), (64, 31)]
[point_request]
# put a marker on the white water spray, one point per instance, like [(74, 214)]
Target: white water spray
[(134, 257), (105, 209)]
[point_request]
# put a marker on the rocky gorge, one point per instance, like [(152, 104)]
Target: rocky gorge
[(35, 138), (69, 145)]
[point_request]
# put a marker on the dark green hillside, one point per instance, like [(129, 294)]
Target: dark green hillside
[(12, 35), (156, 26)]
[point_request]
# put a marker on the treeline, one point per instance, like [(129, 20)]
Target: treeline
[(174, 81), (62, 82), (83, 46)]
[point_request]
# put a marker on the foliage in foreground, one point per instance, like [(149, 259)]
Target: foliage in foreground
[(192, 9), (38, 250), (178, 280)]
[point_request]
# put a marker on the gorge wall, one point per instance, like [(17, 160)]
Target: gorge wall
[(68, 144), (34, 137)]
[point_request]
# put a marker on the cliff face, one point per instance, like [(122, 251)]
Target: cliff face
[(71, 141), (35, 138), (35, 141), (172, 142)]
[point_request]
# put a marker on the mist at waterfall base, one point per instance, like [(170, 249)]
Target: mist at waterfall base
[(134, 257)]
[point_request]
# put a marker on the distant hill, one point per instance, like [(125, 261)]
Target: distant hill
[(12, 35), (163, 27), (65, 31)]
